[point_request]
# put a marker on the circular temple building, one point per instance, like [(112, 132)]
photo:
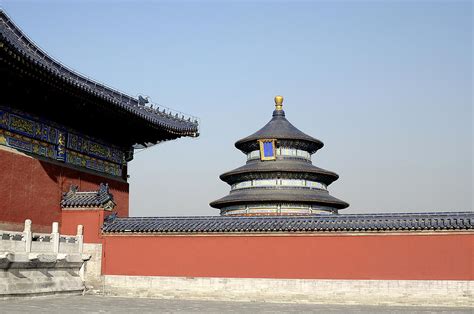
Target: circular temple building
[(279, 177)]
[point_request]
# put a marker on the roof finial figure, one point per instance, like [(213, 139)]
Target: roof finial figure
[(143, 100), (278, 102)]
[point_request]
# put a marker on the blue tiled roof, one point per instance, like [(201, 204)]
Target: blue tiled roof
[(285, 224), (11, 35), (73, 198)]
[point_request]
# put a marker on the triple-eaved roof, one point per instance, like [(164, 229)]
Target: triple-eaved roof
[(262, 179), (288, 224), (14, 40)]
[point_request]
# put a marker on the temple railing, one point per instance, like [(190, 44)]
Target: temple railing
[(29, 247)]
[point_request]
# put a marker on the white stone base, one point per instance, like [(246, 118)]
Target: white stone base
[(92, 268), (38, 281), (366, 292)]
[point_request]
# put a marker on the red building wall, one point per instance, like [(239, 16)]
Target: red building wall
[(32, 189), (91, 220), (409, 256)]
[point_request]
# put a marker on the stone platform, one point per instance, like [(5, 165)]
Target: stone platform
[(100, 304), (441, 293), (41, 264)]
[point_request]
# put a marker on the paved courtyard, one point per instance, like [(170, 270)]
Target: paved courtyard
[(99, 304)]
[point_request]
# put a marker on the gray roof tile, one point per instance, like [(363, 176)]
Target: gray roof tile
[(100, 198), (275, 224)]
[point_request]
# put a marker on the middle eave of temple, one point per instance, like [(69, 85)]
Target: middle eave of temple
[(292, 168)]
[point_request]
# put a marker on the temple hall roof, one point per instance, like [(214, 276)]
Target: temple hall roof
[(19, 49), (456, 221)]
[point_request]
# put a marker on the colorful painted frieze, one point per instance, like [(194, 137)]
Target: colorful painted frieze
[(93, 163), (33, 135), (28, 127), (27, 144), (93, 148)]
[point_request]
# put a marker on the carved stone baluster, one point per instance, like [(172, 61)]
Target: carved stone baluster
[(55, 237), (80, 237), (27, 235)]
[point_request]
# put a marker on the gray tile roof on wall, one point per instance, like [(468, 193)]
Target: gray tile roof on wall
[(288, 224), (73, 198), (12, 36)]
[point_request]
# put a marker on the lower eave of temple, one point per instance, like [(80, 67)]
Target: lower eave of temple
[(280, 195)]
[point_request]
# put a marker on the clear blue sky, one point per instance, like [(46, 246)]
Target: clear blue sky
[(387, 86)]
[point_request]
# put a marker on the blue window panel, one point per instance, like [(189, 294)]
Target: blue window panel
[(268, 149)]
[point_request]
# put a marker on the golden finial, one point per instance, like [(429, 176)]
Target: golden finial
[(279, 102)]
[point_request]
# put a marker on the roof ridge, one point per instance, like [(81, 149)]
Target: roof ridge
[(96, 198), (316, 223), (289, 217), (29, 47)]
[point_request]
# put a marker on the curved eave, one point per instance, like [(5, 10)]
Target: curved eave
[(25, 50), (264, 195), (279, 128), (278, 168)]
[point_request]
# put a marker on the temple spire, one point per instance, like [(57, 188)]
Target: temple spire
[(278, 103)]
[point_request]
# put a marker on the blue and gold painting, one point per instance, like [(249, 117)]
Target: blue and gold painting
[(43, 138), (267, 149)]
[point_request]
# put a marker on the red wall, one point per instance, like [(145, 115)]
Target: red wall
[(443, 256), (91, 220), (32, 189)]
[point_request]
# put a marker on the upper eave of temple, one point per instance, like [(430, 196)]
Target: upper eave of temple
[(16, 43), (282, 130)]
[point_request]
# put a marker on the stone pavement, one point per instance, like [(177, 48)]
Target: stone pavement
[(100, 304)]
